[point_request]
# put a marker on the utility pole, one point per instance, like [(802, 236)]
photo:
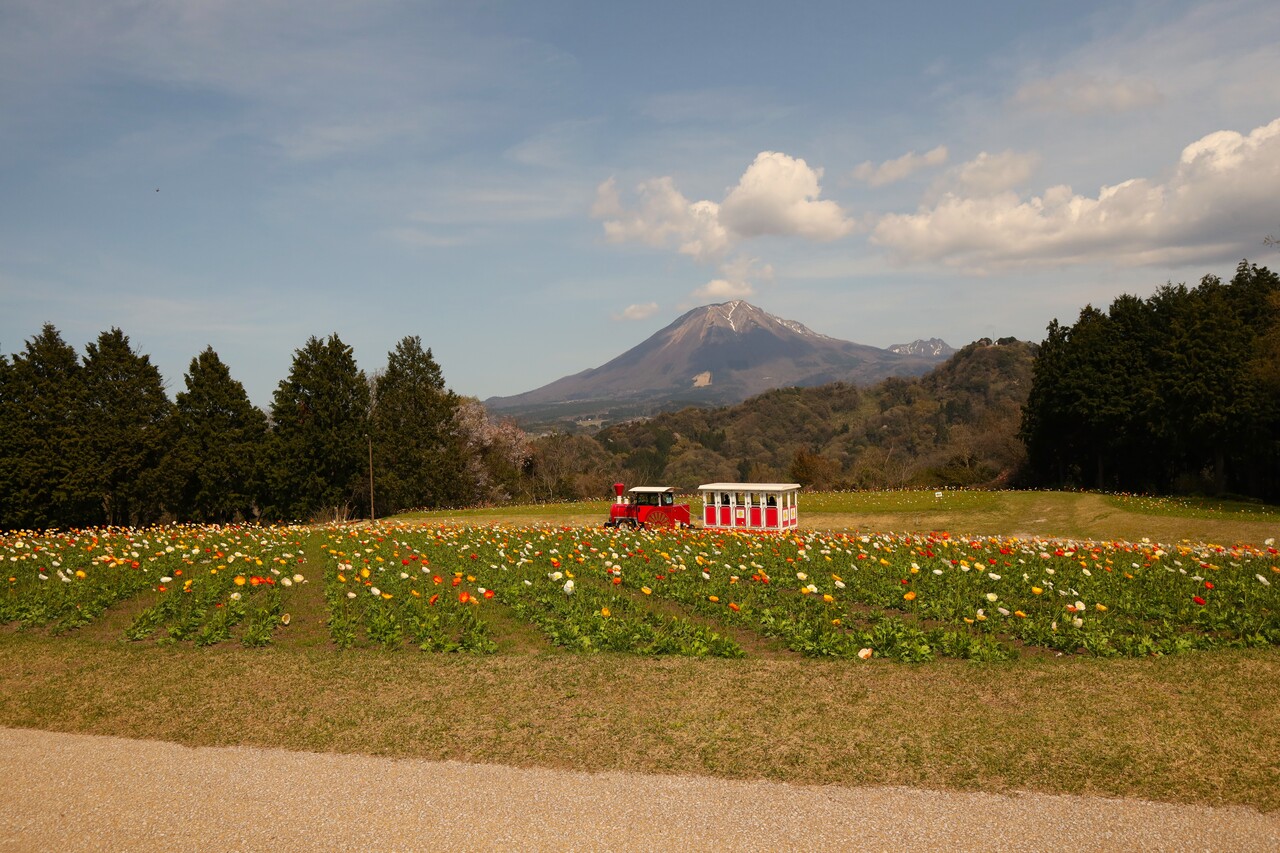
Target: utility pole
[(373, 516)]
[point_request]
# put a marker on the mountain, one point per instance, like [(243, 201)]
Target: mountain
[(955, 426), (932, 348), (713, 355)]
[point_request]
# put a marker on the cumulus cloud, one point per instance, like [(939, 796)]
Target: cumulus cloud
[(988, 174), (638, 312), (735, 280), (892, 171), (777, 195), (1217, 201), (663, 217), (723, 289), (1083, 93)]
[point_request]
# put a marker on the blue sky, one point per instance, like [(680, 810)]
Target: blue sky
[(533, 188)]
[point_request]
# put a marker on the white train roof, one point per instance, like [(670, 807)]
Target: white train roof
[(749, 487)]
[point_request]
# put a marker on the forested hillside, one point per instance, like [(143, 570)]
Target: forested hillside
[(955, 426)]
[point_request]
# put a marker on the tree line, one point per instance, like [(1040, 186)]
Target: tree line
[(1176, 393), (95, 440), (1179, 392)]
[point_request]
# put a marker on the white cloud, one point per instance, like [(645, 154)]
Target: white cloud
[(1084, 93), (892, 171), (664, 217), (988, 174), (736, 279), (722, 288), (778, 194), (638, 312), (1216, 204)]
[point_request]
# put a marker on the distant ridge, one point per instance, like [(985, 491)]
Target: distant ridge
[(717, 355), (932, 348)]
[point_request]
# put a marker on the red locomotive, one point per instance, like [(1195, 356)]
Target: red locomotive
[(648, 506)]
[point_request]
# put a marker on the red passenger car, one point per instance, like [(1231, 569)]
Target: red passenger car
[(750, 506)]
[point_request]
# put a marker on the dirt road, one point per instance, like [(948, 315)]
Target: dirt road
[(81, 792)]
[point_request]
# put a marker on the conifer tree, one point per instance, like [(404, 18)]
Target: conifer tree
[(44, 411), (127, 431), (219, 451), (319, 417), (419, 456)]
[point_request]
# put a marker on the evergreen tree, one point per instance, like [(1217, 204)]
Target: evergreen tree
[(1207, 383), (8, 439), (128, 431), (218, 455), (1047, 424), (419, 457), (1155, 394), (44, 412), (320, 420)]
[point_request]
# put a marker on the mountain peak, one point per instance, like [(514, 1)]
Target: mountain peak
[(718, 354), (742, 317), (933, 348)]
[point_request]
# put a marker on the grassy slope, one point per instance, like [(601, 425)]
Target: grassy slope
[(1193, 728)]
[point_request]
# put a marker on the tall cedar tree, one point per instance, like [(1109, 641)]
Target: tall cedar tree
[(320, 424), (419, 459), (218, 455), (128, 431), (43, 447), (8, 438)]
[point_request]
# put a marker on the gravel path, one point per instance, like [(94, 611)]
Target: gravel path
[(80, 792)]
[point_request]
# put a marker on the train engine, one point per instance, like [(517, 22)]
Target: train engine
[(647, 506)]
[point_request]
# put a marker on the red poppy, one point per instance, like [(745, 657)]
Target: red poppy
[(433, 599), (488, 593), (464, 596), (1208, 584), (1198, 600)]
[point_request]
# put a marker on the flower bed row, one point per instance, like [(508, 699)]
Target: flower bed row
[(199, 583)]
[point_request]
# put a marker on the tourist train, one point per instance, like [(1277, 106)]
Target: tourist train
[(725, 506)]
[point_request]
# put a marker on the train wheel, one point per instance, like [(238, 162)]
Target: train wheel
[(658, 518)]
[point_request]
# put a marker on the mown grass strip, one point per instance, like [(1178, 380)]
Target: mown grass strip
[(1190, 728)]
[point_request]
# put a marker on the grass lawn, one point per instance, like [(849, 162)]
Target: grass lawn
[(1195, 727)]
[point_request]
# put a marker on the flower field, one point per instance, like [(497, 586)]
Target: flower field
[(190, 582), (687, 593)]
